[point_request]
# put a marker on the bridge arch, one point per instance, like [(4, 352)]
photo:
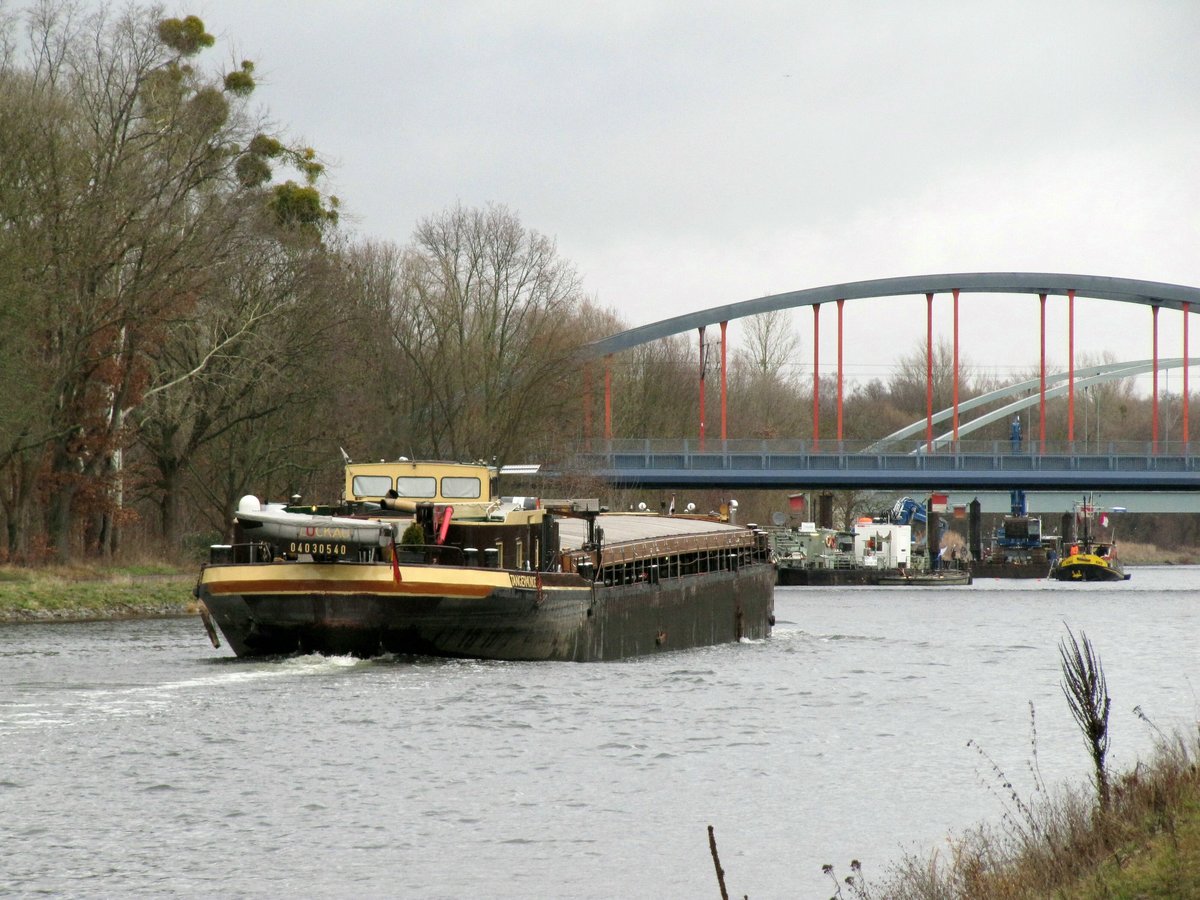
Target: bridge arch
[(1097, 287), (1153, 294)]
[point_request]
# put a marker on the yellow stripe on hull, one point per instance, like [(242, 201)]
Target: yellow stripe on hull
[(308, 578)]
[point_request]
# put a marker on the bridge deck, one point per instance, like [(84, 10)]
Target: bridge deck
[(991, 466)]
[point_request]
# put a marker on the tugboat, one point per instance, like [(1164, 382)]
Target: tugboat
[(1087, 558), (426, 558)]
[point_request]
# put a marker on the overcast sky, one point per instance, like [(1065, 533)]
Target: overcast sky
[(686, 155)]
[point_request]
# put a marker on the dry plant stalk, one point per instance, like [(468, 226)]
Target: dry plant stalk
[(1086, 691)]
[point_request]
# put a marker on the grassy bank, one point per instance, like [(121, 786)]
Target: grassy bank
[(1144, 844), (80, 593), (1131, 835)]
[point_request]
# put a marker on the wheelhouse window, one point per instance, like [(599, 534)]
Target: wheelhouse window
[(461, 488), (371, 485), (416, 486)]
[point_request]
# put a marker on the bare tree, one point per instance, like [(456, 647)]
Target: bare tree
[(765, 389), (484, 321), (243, 357), (654, 388), (118, 198), (909, 383)]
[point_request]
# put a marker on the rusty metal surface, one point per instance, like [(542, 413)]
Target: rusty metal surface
[(619, 528), (629, 538)]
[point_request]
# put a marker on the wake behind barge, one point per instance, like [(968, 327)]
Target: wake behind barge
[(425, 559)]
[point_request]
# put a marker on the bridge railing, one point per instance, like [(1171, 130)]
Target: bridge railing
[(689, 447)]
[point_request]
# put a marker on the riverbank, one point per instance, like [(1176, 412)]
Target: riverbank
[(85, 593), (1144, 844)]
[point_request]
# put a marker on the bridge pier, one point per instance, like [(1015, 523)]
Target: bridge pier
[(825, 509)]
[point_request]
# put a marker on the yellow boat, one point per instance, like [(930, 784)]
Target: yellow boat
[(1087, 559)]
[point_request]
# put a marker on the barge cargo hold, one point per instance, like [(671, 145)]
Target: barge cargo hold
[(488, 577)]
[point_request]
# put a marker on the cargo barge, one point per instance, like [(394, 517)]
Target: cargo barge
[(424, 558)]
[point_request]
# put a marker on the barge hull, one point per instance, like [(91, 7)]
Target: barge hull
[(1009, 570), (790, 576), (565, 619)]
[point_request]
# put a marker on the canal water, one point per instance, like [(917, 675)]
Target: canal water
[(137, 760)]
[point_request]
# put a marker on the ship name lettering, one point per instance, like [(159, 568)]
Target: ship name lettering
[(313, 531), (523, 581)]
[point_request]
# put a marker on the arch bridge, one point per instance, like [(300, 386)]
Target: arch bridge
[(1153, 295), (940, 462)]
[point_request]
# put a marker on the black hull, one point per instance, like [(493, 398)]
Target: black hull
[(825, 577), (584, 623), (788, 576), (1088, 573), (1009, 570)]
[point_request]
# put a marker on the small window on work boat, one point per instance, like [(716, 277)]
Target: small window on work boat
[(416, 486), (371, 485), (461, 488)]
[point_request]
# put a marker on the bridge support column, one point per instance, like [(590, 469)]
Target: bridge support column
[(587, 402), (955, 401), (608, 397), (1042, 378), (816, 415), (825, 509), (975, 529), (702, 387), (840, 304), (1071, 366), (1154, 381), (929, 373), (724, 385), (1185, 435)]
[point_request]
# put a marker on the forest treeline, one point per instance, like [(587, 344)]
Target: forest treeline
[(185, 320)]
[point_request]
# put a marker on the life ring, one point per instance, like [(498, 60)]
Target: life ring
[(830, 542)]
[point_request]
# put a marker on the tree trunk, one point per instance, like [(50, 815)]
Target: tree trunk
[(18, 504), (168, 504), (59, 522)]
